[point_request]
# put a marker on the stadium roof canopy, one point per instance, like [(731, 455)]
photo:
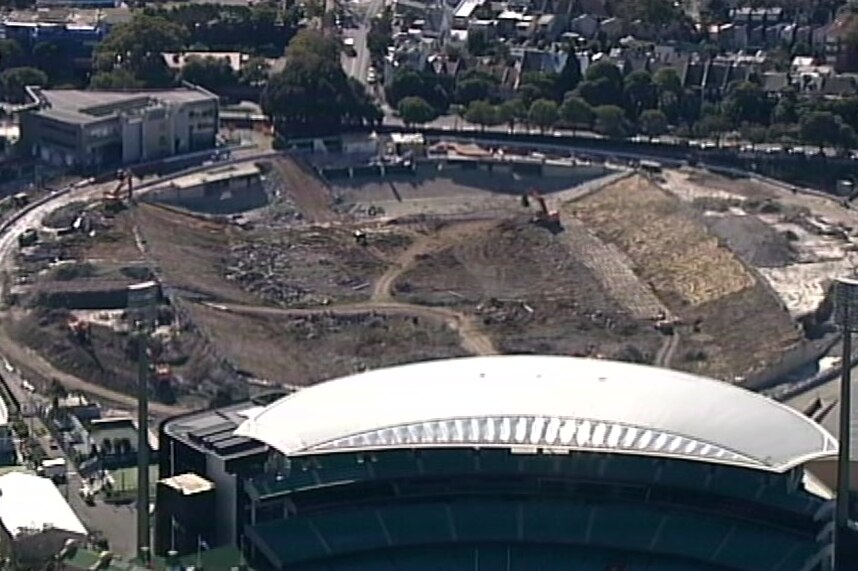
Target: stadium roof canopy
[(553, 403)]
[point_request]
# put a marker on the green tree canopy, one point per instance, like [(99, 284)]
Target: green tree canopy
[(212, 73), (543, 113), (575, 112), (11, 54), (254, 72), (482, 113), (380, 34), (667, 80), (820, 128), (312, 95), (407, 83), (640, 91), (611, 121), (136, 47), (415, 111), (602, 85), (653, 123), (15, 79), (746, 102), (512, 111), (570, 77)]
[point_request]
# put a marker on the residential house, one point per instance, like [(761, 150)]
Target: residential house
[(613, 29), (586, 25)]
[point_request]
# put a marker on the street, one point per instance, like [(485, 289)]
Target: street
[(116, 524), (357, 66)]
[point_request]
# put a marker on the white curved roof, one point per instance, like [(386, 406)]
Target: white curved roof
[(547, 402)]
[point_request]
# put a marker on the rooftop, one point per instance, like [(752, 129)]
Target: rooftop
[(81, 106), (188, 484), (214, 430), (550, 402), (34, 503)]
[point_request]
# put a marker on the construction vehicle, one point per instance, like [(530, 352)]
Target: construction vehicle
[(547, 218), (21, 199), (80, 329), (28, 237), (113, 199)]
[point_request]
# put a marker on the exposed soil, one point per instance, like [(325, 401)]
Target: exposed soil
[(696, 276), (529, 292), (305, 349), (752, 240)]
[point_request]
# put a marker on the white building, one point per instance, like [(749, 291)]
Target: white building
[(35, 520)]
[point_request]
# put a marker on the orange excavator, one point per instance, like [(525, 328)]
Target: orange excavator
[(547, 218), (113, 198)]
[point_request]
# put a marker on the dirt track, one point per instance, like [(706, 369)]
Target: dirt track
[(31, 361)]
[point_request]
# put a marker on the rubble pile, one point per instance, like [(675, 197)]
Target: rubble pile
[(303, 269)]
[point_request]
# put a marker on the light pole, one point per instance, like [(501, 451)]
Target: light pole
[(846, 314), (142, 300)]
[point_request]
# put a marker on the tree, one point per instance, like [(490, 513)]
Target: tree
[(640, 92), (254, 72), (477, 44), (15, 79), (570, 77), (212, 73), (603, 85), (655, 14), (543, 113), (511, 112), (11, 54), (845, 137), (136, 47), (575, 112), (472, 89), (415, 111), (605, 70), (666, 80), (541, 85), (785, 111), (312, 95), (820, 128), (116, 79), (653, 123), (380, 35), (407, 83), (746, 103), (482, 113), (611, 121)]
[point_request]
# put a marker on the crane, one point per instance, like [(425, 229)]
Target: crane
[(544, 217), (113, 198)]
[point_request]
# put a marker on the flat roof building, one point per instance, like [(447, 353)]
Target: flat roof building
[(35, 520), (93, 129)]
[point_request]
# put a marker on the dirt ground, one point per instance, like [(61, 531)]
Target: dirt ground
[(292, 295), (109, 358), (696, 276), (528, 291), (305, 349)]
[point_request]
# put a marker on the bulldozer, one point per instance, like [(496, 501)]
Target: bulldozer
[(113, 198), (549, 219)]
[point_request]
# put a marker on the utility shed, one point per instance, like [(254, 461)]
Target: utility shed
[(35, 520)]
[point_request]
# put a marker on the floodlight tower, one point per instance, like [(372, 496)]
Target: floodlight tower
[(142, 301), (846, 314)]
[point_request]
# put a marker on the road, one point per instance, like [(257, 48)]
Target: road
[(357, 66), (116, 524)]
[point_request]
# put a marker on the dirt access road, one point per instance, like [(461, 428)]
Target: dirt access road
[(473, 339)]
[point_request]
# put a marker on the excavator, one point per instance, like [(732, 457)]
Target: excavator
[(113, 198), (549, 219)]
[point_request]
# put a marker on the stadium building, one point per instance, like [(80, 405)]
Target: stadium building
[(503, 464)]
